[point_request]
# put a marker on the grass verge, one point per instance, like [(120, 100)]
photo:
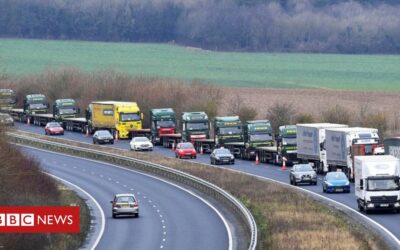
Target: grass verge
[(22, 183), (286, 219)]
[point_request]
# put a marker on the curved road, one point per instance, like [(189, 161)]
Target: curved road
[(386, 219), (170, 218)]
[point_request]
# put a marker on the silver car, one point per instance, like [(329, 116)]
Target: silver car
[(302, 173), (141, 143), (125, 204)]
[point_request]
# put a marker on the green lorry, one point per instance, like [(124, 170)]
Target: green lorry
[(7, 99)]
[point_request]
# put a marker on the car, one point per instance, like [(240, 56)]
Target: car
[(302, 173), (124, 204), (141, 143), (336, 182), (221, 156), (53, 128), (185, 150), (6, 119), (103, 136)]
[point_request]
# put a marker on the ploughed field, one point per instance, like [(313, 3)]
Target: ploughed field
[(272, 70)]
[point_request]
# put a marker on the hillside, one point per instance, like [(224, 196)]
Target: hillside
[(340, 26)]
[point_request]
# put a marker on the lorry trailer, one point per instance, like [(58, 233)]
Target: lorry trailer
[(8, 99), (343, 144), (311, 144)]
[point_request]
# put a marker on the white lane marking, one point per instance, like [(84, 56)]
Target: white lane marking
[(103, 218), (230, 246)]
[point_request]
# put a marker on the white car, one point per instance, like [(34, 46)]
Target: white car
[(141, 143)]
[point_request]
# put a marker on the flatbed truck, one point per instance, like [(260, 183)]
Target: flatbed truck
[(284, 147)]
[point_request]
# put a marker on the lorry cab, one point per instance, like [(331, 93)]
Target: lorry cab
[(377, 183), (286, 143), (162, 122), (228, 129), (195, 126), (119, 117), (36, 104), (65, 108), (8, 99), (258, 133)]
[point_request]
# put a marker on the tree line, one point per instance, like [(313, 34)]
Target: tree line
[(340, 26)]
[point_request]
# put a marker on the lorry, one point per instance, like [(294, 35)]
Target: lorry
[(8, 99), (33, 105), (343, 144), (377, 183), (62, 109), (256, 134), (311, 144), (195, 126), (227, 130), (392, 146), (120, 118), (162, 122), (283, 149)]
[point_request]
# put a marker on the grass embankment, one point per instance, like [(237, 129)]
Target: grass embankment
[(278, 70), (286, 219), (22, 183)]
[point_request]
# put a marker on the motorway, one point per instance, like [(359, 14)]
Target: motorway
[(170, 217), (388, 220)]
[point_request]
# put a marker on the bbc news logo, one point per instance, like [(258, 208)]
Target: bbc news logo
[(39, 219)]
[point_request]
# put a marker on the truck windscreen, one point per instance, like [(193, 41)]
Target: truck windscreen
[(382, 184), (166, 124), (68, 110), (289, 141), (197, 126), (230, 130), (37, 106), (260, 137), (128, 117)]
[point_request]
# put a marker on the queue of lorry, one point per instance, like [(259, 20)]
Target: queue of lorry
[(326, 147)]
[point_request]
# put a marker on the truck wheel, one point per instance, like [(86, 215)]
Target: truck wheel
[(360, 208)]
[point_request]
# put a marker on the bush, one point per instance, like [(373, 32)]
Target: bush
[(280, 114), (337, 114), (379, 121), (304, 118)]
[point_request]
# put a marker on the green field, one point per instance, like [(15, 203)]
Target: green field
[(348, 72)]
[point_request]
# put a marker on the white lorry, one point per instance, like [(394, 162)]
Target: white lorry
[(377, 183), (342, 144), (311, 144)]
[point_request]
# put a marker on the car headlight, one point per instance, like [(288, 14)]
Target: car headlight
[(328, 183), (217, 157), (347, 183), (232, 157)]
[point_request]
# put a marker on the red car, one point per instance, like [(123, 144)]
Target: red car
[(185, 149), (53, 128)]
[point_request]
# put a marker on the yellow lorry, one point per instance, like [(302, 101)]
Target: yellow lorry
[(119, 117)]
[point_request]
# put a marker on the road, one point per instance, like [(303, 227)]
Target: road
[(387, 219), (170, 218)]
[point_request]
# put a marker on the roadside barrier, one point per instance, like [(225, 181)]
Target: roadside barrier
[(241, 213)]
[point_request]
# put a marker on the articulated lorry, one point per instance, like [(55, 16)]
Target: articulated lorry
[(162, 125), (283, 149), (228, 132), (33, 105), (8, 99), (195, 126), (343, 144), (377, 183), (311, 144), (256, 134)]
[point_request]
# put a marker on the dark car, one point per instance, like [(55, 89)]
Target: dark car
[(102, 137), (53, 128), (222, 156), (6, 119), (302, 173), (185, 149), (336, 182)]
